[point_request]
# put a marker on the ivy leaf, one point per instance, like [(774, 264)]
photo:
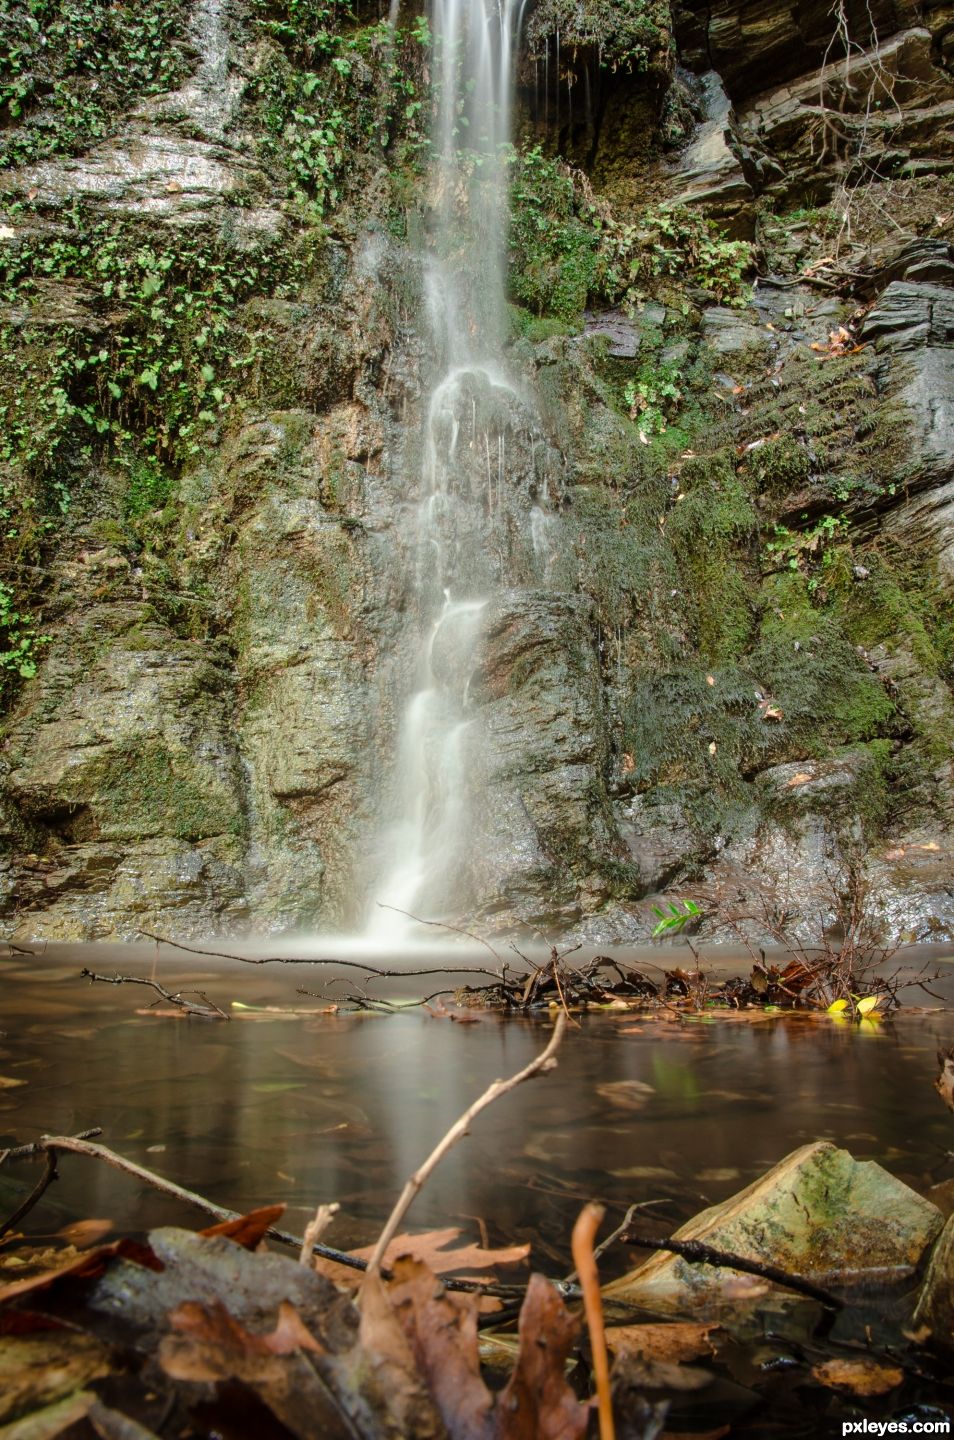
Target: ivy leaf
[(208, 374), (150, 377)]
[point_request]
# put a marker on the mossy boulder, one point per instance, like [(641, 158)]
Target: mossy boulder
[(818, 1213)]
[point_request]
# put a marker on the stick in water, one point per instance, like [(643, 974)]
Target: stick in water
[(545, 1061)]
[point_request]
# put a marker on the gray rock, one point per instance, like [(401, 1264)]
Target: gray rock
[(734, 332), (707, 171)]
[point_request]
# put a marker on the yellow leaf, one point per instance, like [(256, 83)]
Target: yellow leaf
[(837, 1007), (868, 1004)]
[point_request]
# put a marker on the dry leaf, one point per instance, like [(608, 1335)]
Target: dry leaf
[(863, 1377), (441, 1330), (40, 1368), (83, 1267), (431, 1248), (209, 1345), (382, 1363), (802, 778), (712, 747), (537, 1403), (85, 1232), (628, 763)]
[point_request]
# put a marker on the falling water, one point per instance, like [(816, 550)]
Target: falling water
[(422, 861)]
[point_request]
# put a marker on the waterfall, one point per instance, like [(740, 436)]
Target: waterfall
[(423, 850)]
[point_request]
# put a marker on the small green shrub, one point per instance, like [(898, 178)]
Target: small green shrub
[(626, 34)]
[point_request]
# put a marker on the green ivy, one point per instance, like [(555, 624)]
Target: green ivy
[(326, 91), (153, 360), (68, 68)]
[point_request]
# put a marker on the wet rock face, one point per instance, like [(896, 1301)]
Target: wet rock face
[(543, 830)]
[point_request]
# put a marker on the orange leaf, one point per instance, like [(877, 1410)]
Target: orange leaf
[(85, 1267), (248, 1230)]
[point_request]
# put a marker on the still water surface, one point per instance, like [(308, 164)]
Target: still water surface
[(316, 1107)]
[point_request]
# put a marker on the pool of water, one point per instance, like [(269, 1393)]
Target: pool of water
[(306, 1107)]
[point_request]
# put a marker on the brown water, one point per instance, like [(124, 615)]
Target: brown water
[(316, 1107)]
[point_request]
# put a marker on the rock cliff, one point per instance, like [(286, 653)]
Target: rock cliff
[(720, 522)]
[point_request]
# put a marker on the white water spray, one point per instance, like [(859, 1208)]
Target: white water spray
[(424, 850)]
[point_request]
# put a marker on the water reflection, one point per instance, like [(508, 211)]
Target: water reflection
[(333, 1107)]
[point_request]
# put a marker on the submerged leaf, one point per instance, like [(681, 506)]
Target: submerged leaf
[(862, 1377), (685, 1340)]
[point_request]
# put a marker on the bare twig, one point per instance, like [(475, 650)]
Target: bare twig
[(443, 925), (698, 1253), (584, 1233), (615, 1235), (39, 1147), (209, 1011), (49, 1175), (544, 1061), (315, 1229)]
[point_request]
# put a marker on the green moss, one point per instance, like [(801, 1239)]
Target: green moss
[(712, 531), (144, 789), (536, 329)]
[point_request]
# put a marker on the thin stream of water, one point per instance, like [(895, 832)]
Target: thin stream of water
[(421, 866)]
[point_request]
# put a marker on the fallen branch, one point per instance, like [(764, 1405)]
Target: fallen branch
[(545, 1061), (322, 960), (697, 1253), (209, 1011)]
